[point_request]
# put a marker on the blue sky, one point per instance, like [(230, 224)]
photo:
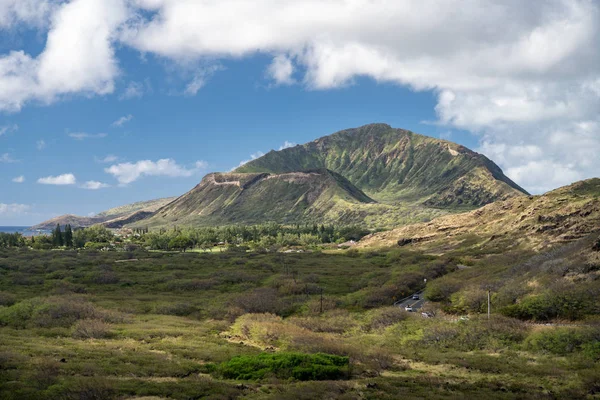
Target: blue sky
[(151, 80)]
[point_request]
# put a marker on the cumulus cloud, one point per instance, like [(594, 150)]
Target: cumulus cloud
[(19, 179), (29, 12), (126, 173), (12, 210), (40, 144), (78, 57), (94, 185), (122, 121), (287, 145), (65, 179), (281, 70), (83, 135)]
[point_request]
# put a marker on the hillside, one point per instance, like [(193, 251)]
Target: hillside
[(74, 220), (531, 222), (395, 165), (116, 217), (229, 198)]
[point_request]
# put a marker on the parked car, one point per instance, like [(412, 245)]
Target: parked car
[(408, 308), (415, 297)]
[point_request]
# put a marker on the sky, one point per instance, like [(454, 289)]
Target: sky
[(107, 102)]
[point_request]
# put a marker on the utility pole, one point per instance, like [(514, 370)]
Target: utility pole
[(321, 312), (489, 305)]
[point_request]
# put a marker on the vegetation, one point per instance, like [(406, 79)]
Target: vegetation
[(133, 323), (238, 237), (298, 366)]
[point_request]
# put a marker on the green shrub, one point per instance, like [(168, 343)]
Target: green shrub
[(298, 366), (59, 311), (571, 305), (563, 341)]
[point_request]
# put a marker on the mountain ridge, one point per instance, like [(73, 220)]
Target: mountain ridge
[(392, 165)]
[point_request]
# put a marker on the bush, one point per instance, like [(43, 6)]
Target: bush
[(298, 366), (563, 341), (52, 312), (7, 299), (384, 317), (91, 329), (571, 305)]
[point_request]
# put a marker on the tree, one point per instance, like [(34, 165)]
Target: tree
[(181, 243), (57, 237), (68, 236)]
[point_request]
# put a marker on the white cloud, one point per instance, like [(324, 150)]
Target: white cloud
[(94, 185), (82, 135), (253, 156), (106, 160), (12, 210), (30, 12), (19, 179), (134, 90), (123, 120), (126, 173), (78, 57), (65, 179), (40, 144), (6, 158), (200, 77), (281, 70), (287, 145), (8, 129)]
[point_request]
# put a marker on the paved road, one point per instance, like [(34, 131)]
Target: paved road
[(415, 304)]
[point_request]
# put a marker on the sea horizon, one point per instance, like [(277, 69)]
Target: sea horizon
[(24, 230)]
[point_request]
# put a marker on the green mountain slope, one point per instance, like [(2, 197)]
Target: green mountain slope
[(229, 198), (396, 165)]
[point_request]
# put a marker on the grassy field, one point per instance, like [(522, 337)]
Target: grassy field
[(103, 325)]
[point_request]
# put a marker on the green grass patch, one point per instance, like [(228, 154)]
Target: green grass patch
[(297, 366)]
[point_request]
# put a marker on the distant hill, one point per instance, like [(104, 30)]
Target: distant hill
[(396, 165), (531, 222), (126, 214)]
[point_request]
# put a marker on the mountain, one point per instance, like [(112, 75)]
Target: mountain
[(114, 218), (395, 165), (250, 198), (375, 175), (530, 222)]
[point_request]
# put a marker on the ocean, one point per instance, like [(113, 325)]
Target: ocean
[(24, 230)]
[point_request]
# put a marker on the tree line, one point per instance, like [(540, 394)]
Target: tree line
[(257, 237)]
